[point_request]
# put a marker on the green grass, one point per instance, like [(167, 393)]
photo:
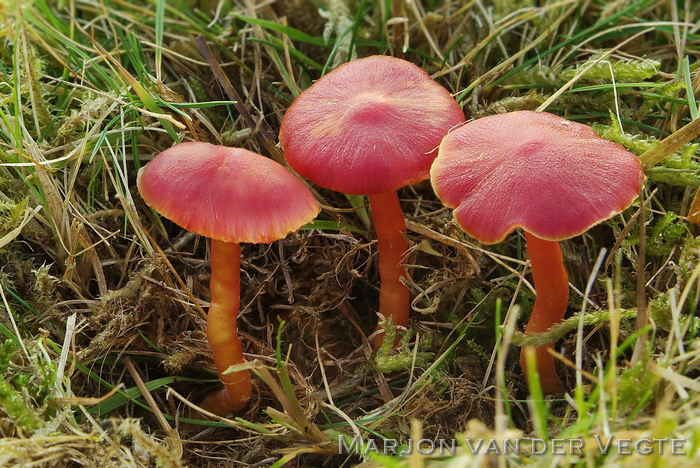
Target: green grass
[(90, 91)]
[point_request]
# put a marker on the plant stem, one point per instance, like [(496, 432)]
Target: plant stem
[(391, 228), (222, 331), (552, 286)]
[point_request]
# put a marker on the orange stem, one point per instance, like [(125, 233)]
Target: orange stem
[(222, 330), (552, 286), (391, 227)]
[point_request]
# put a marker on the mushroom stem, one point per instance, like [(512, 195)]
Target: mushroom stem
[(222, 330), (391, 227), (552, 286)]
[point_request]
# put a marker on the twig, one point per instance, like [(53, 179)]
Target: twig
[(147, 396), (88, 401), (261, 130)]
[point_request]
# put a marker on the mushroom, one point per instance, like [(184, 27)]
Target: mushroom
[(549, 176), (370, 127), (229, 195)]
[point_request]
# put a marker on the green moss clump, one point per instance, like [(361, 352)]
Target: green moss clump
[(634, 384), (11, 215), (530, 100), (386, 361), (660, 240), (637, 144), (539, 74), (665, 235), (7, 350), (677, 169), (630, 71), (26, 393), (16, 408)]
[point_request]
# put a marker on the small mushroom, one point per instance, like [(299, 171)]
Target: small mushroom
[(229, 195), (549, 176), (370, 127)]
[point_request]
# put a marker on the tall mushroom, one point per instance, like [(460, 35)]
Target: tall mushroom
[(230, 195), (549, 176), (370, 127)]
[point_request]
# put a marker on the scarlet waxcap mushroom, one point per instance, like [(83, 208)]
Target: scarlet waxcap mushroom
[(549, 176), (230, 195), (532, 170), (370, 127)]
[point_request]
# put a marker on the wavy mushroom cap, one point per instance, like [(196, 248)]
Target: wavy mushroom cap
[(532, 170), (370, 126), (228, 194)]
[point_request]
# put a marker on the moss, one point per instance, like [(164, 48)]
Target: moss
[(539, 74), (43, 288), (388, 361), (677, 169), (26, 392), (634, 383), (39, 102), (637, 144), (11, 187), (530, 100), (660, 240), (7, 350), (665, 234), (660, 312), (477, 349), (232, 137), (11, 215), (688, 258), (74, 123), (629, 71), (339, 19), (17, 410)]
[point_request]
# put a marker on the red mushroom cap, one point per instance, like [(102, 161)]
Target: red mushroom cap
[(370, 126), (533, 170), (228, 194)]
